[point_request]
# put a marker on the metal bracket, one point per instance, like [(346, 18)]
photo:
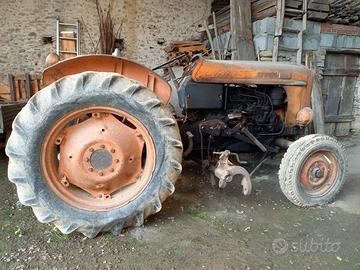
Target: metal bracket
[(225, 172)]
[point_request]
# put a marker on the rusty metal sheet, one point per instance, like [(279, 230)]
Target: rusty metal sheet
[(108, 63), (250, 72)]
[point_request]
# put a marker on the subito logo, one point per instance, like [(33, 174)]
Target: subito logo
[(280, 246)]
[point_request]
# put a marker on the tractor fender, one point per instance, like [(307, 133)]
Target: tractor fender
[(108, 63)]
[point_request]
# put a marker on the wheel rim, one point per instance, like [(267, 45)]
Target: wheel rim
[(98, 158), (319, 173)]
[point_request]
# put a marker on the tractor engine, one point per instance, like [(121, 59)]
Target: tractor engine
[(238, 118)]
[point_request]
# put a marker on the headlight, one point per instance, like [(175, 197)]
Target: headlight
[(305, 116)]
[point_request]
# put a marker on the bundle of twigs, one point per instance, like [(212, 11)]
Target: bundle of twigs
[(109, 38)]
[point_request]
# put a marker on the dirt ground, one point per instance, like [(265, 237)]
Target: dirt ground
[(200, 227)]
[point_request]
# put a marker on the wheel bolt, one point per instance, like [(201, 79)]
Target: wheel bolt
[(91, 169), (117, 161), (102, 146), (87, 159), (91, 150), (101, 173), (112, 151), (59, 139), (112, 170), (105, 196), (65, 182)]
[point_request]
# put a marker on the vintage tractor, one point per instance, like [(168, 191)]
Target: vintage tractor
[(101, 146)]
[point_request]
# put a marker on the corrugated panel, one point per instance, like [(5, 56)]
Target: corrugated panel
[(8, 112)]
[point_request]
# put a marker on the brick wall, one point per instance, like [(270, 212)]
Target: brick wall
[(25, 22), (340, 29)]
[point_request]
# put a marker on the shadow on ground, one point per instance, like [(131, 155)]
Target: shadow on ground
[(200, 227)]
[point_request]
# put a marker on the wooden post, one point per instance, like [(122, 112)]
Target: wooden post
[(317, 105), (27, 86), (301, 33), (217, 37), (241, 30), (280, 13), (12, 88), (210, 40)]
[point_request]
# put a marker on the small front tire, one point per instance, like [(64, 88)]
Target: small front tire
[(313, 170)]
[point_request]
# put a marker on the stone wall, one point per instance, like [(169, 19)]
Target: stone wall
[(23, 24)]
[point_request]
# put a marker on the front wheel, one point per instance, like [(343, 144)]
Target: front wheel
[(313, 170), (94, 152)]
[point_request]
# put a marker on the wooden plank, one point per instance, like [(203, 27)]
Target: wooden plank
[(27, 86), (340, 91), (352, 72), (342, 129), (5, 93), (218, 41), (332, 94), (347, 96), (241, 30), (319, 7), (280, 13), (317, 104), (301, 33), (324, 2), (293, 3), (319, 16), (263, 5), (330, 129), (339, 118), (210, 40), (12, 87), (270, 12)]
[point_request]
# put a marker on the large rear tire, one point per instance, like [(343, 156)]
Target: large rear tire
[(313, 170), (73, 206)]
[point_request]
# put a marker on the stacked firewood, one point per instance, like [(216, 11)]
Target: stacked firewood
[(317, 10), (188, 48), (345, 12), (335, 11)]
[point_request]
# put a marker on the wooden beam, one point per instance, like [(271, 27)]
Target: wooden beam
[(241, 30), (12, 89), (280, 13), (317, 105), (339, 118), (27, 86)]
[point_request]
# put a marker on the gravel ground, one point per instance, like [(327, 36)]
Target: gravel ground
[(200, 227)]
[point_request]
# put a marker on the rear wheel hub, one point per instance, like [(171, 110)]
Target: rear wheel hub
[(102, 153)]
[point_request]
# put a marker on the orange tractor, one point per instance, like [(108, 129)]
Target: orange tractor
[(101, 146)]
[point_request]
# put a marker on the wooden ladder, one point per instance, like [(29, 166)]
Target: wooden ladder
[(75, 28), (279, 30)]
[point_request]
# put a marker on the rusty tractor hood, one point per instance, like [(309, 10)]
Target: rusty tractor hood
[(251, 72)]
